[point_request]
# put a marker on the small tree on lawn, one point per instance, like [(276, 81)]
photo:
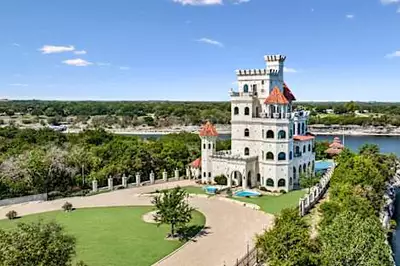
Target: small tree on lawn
[(173, 208), (308, 181)]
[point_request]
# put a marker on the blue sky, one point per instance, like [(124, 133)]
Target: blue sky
[(189, 49)]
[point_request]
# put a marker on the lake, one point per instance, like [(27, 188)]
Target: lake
[(387, 144)]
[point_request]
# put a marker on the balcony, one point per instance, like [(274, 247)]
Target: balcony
[(273, 116)]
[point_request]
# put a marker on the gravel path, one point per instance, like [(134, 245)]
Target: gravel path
[(229, 226)]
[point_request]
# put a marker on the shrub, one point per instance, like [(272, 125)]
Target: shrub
[(55, 195), (11, 215), (282, 191), (221, 180), (67, 207), (229, 192), (264, 189)]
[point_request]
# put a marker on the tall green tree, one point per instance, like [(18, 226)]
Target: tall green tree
[(288, 242), (39, 244), (173, 208), (354, 240)]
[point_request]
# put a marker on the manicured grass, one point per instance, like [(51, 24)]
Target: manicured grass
[(275, 204), (113, 236)]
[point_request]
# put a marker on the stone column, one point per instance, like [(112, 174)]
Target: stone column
[(188, 175), (176, 174), (110, 183), (124, 181), (165, 176), (94, 186), (152, 178), (229, 181), (137, 179)]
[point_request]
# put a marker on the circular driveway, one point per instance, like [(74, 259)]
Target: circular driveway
[(230, 227)]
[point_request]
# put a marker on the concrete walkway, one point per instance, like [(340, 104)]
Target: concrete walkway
[(229, 226)]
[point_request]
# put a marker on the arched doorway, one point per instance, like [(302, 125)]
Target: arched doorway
[(248, 180), (236, 178)]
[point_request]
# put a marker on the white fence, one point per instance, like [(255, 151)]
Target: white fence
[(316, 193)]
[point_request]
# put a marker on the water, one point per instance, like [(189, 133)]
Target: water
[(211, 189), (244, 193)]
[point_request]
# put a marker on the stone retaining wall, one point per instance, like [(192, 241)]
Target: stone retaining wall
[(11, 201)]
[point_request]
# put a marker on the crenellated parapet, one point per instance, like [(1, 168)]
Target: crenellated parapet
[(251, 72), (275, 58)]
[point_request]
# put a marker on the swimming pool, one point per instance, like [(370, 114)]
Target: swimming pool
[(322, 166), (247, 193), (210, 189)]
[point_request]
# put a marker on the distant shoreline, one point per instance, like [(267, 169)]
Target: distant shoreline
[(146, 132)]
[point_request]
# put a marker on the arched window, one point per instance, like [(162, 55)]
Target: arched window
[(246, 111), (304, 148), (281, 156), (204, 146), (297, 149), (294, 173), (246, 151), (303, 128), (290, 181), (209, 146), (236, 110), (298, 129), (254, 88), (294, 128), (205, 174), (312, 166), (209, 174), (247, 132), (308, 166), (258, 178), (270, 134), (270, 156), (281, 183), (309, 147), (246, 88), (304, 168), (290, 155), (270, 182), (300, 170), (282, 134)]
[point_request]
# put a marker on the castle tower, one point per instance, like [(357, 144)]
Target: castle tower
[(208, 135), (275, 67)]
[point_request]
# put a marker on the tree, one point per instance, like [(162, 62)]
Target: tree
[(221, 180), (36, 244), (288, 242), (354, 240), (369, 149), (308, 181), (173, 209), (320, 148)]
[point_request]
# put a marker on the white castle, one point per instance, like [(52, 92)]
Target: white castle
[(271, 146)]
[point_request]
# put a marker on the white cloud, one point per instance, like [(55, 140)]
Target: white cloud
[(77, 62), (210, 41), (52, 49), (16, 44), (312, 9), (388, 2), (289, 70), (18, 85), (350, 16), (394, 54), (198, 2), (238, 2), (124, 68), (103, 64), (80, 52)]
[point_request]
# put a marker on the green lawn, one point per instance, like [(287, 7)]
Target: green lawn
[(275, 204), (113, 236)]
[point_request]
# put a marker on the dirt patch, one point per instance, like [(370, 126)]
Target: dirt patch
[(149, 217)]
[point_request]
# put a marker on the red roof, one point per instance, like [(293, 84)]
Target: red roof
[(333, 151), (276, 97), (336, 145), (196, 163), (208, 130), (303, 138), (288, 93)]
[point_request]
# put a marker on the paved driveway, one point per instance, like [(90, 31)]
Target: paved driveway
[(230, 227)]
